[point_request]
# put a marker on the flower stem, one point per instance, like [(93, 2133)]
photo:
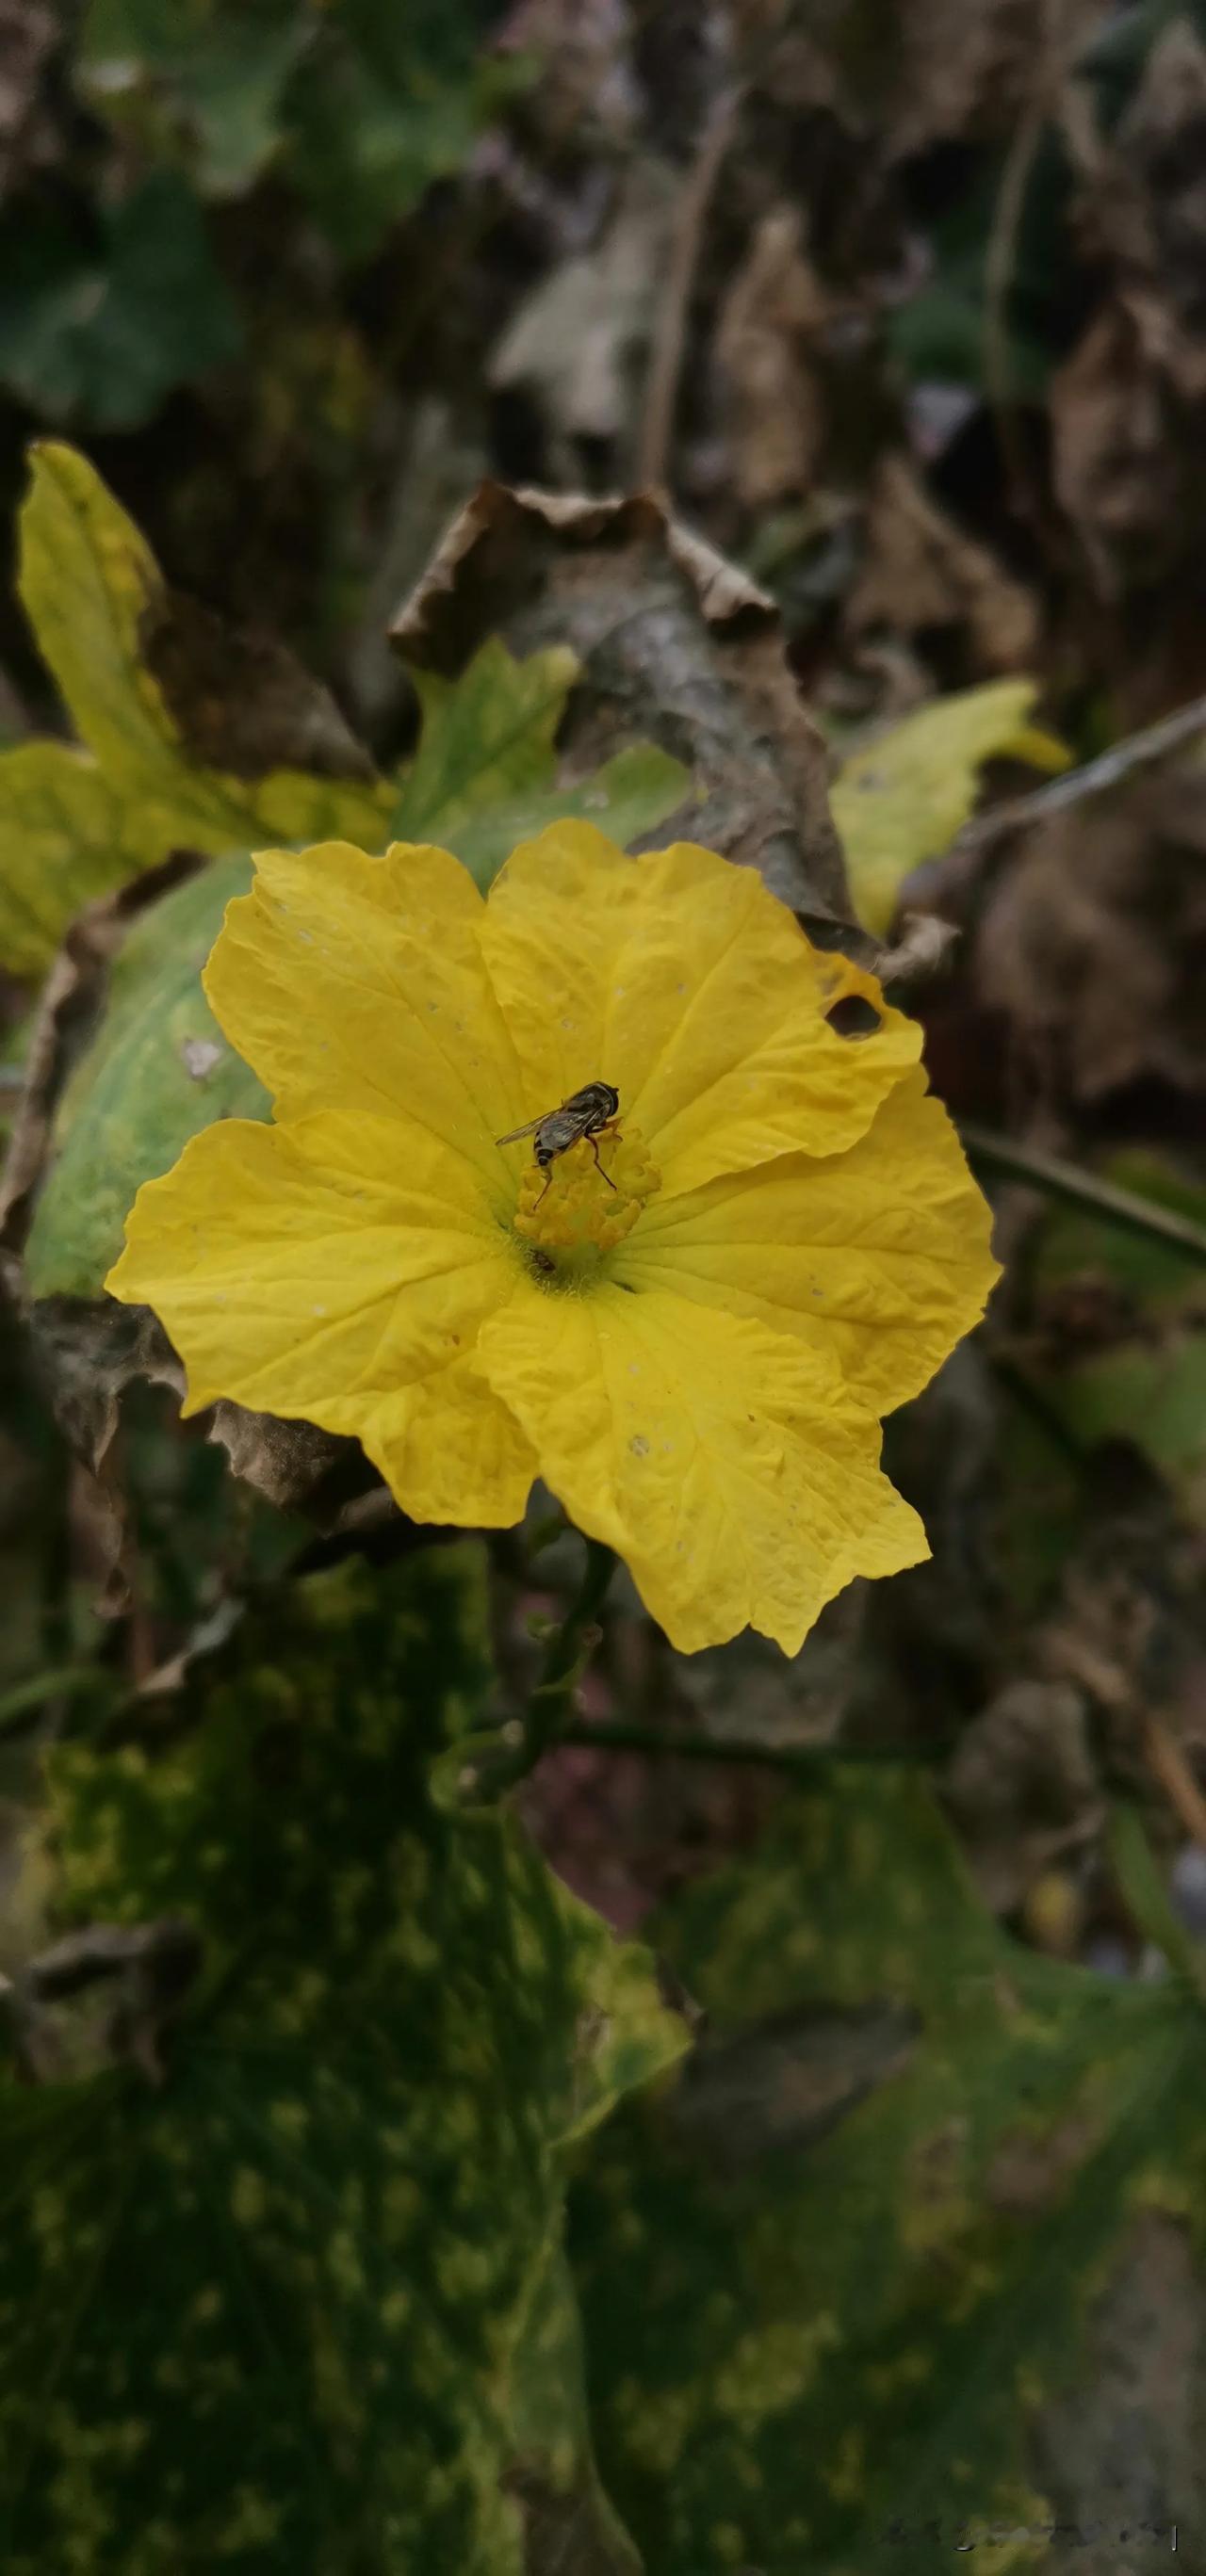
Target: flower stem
[(809, 1761), (480, 1768), (566, 1657)]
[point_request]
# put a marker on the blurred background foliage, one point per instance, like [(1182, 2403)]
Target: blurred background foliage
[(897, 2246)]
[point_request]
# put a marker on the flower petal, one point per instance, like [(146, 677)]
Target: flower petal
[(361, 980), (881, 1254), (725, 1463), (333, 1274), (678, 978)]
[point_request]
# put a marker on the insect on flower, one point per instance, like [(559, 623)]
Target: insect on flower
[(587, 1114), (695, 1359)]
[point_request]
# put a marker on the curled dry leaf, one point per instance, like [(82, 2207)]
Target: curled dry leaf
[(921, 572), (674, 641), (1111, 452)]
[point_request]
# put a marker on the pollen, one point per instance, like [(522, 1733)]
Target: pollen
[(576, 1207)]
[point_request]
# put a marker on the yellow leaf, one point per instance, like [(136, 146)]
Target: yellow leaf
[(904, 798), (72, 828), (64, 837)]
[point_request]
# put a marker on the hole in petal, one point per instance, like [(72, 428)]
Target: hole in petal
[(853, 1017)]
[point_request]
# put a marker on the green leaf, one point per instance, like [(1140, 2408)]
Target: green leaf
[(1075, 1244), (102, 332), (271, 2314), (158, 1071), (569, 2521), (1148, 1384), (484, 775), (1147, 1896), (627, 797), (846, 2284), (903, 799), (942, 333), (206, 80), (386, 101), (1153, 1395), (71, 829), (486, 736)]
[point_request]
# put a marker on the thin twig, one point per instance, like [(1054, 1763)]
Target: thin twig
[(665, 367), (1138, 751), (1167, 1764), (999, 263), (1098, 1198), (1000, 260)]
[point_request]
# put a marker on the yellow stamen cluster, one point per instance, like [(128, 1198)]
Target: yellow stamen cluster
[(569, 1208)]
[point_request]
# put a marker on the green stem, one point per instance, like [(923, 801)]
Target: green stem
[(1098, 1198), (806, 1759), (565, 1657), (64, 1682), (480, 1768)]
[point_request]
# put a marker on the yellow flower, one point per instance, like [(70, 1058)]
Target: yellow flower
[(692, 1342)]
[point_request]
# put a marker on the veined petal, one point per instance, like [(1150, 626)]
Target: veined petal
[(724, 1462), (334, 1274), (681, 980), (882, 1254), (361, 980)]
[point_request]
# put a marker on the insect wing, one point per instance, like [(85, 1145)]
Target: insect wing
[(514, 1134)]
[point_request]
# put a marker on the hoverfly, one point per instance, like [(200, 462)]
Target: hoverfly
[(586, 1114)]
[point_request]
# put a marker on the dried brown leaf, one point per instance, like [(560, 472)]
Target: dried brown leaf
[(1093, 943), (767, 333), (921, 573), (674, 642)]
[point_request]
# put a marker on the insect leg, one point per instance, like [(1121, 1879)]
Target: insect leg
[(606, 1176)]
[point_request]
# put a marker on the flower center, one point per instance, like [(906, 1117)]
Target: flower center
[(575, 1210)]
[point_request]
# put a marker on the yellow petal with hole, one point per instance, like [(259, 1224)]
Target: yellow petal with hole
[(681, 980), (724, 1462), (881, 1256), (358, 982), (332, 1273)]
